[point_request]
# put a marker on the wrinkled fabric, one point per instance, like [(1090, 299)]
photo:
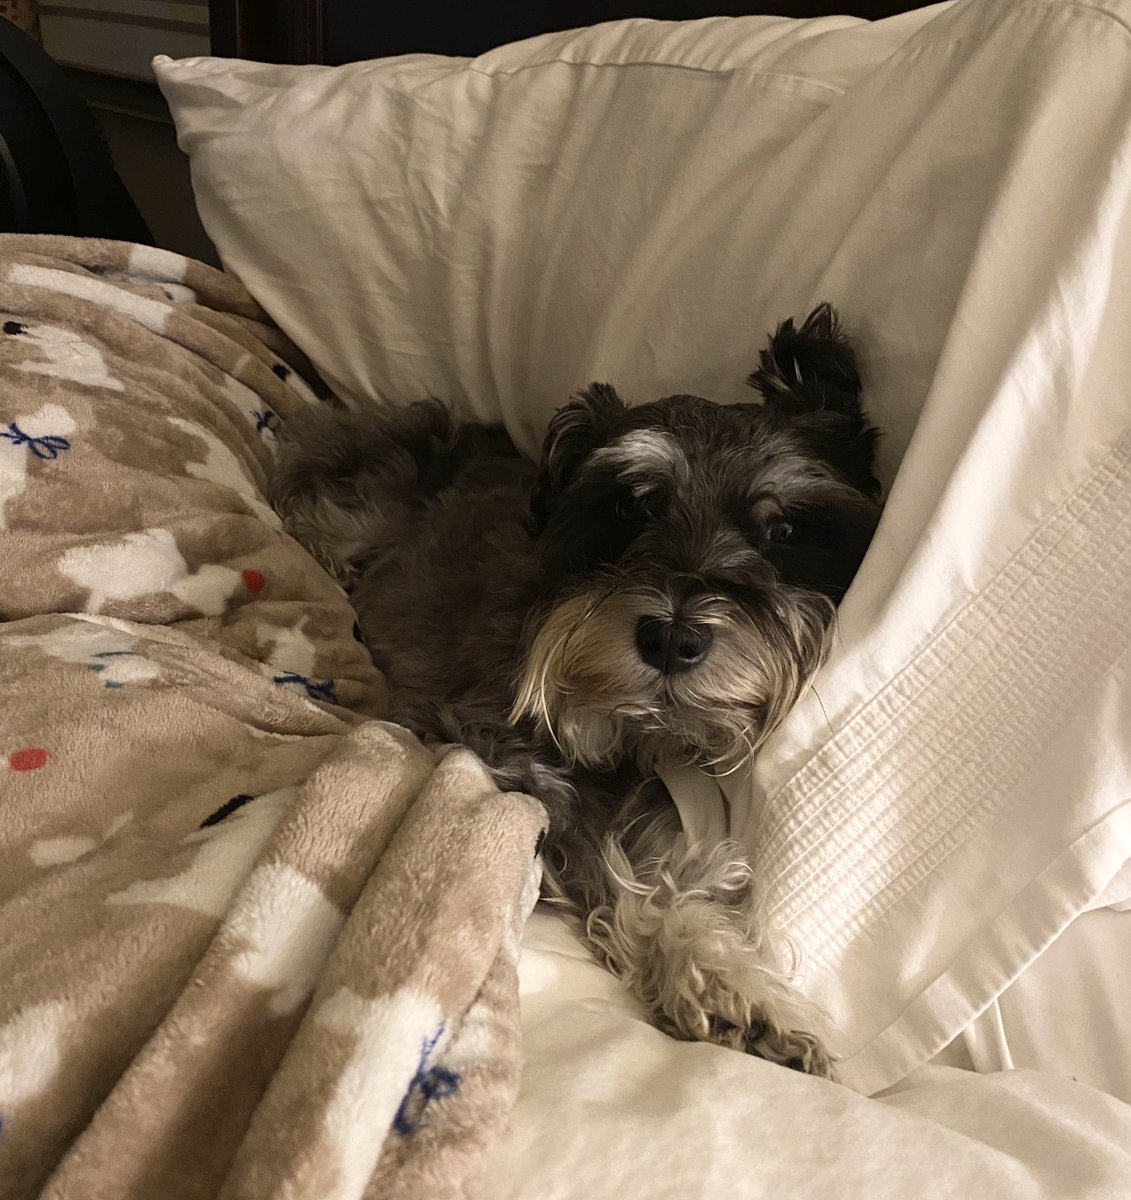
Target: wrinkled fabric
[(639, 202), (254, 941), (650, 1116)]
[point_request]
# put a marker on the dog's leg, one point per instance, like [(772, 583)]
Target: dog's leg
[(678, 923), (346, 482), (349, 484)]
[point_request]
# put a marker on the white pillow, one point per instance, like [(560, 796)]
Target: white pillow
[(614, 203)]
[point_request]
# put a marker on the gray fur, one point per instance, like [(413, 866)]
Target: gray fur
[(504, 602)]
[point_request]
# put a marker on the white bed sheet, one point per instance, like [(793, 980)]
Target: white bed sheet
[(611, 1109), (1067, 1014)]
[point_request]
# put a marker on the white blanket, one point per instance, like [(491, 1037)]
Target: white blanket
[(610, 1109)]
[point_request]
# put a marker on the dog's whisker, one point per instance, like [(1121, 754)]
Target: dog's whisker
[(824, 714)]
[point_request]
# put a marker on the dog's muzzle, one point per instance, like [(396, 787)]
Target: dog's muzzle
[(672, 645)]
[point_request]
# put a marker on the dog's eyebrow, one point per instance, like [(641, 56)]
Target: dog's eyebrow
[(642, 453), (790, 477)]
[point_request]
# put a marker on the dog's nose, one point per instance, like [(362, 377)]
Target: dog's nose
[(671, 644)]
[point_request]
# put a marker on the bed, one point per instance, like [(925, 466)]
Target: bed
[(255, 940)]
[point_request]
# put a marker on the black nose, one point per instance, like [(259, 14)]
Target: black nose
[(671, 644)]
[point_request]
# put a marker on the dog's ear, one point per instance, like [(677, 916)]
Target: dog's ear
[(809, 379), (576, 430), (809, 368)]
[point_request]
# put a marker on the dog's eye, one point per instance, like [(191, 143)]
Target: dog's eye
[(767, 524), (638, 506), (627, 508), (781, 532)]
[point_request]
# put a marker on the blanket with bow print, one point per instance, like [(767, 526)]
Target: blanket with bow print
[(254, 940)]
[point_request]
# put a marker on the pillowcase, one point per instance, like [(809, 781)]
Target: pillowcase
[(611, 203)]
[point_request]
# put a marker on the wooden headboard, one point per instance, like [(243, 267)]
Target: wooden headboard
[(339, 31)]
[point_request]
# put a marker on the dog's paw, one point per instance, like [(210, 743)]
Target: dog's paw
[(793, 1048)]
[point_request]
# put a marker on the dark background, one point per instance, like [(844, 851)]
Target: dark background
[(338, 31)]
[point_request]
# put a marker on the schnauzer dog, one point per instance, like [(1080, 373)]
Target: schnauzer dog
[(659, 590)]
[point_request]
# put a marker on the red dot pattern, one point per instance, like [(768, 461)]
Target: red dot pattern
[(30, 758), (253, 580)]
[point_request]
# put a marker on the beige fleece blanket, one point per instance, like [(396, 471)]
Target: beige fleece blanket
[(254, 941)]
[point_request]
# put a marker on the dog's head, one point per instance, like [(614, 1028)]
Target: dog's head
[(692, 554)]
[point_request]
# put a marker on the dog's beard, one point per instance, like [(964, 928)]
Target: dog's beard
[(584, 682)]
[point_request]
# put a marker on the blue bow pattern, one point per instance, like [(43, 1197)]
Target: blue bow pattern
[(47, 448)]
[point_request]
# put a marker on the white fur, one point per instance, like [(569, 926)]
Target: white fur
[(585, 683), (642, 455)]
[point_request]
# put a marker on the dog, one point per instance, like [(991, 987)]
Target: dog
[(660, 589)]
